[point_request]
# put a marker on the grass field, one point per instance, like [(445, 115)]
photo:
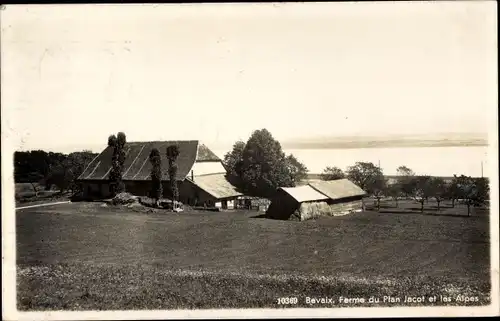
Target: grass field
[(84, 256), (25, 195)]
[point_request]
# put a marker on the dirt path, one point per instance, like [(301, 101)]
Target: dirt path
[(45, 204)]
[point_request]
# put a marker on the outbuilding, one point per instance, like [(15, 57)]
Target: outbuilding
[(322, 198)]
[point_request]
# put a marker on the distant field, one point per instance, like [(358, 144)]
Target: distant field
[(25, 195), (108, 258), (26, 188)]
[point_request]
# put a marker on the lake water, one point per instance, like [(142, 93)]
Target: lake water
[(438, 161)]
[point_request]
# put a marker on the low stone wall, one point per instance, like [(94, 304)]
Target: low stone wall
[(313, 210)]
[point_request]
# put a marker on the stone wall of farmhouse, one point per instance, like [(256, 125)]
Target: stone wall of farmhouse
[(188, 192), (96, 190), (191, 194), (313, 210)]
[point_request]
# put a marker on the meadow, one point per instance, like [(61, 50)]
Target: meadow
[(86, 256), (25, 195)]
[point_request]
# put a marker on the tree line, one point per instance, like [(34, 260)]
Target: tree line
[(61, 170), (259, 166), (50, 169), (473, 191)]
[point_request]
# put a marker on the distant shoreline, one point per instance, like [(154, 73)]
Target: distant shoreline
[(346, 142), (384, 144)]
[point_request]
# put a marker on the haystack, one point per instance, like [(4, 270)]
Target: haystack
[(313, 210), (124, 199)]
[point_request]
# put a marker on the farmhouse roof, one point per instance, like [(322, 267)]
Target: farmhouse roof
[(336, 189), (137, 165), (304, 193), (206, 155), (216, 185)]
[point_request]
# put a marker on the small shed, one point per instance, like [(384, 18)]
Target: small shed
[(212, 189), (322, 198), (287, 201)]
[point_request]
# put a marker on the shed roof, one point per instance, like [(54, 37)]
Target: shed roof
[(137, 165), (216, 185), (304, 193), (336, 189)]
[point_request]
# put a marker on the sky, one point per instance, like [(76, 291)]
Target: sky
[(74, 74)]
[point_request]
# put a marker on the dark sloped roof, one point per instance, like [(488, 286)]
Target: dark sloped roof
[(206, 155), (137, 164)]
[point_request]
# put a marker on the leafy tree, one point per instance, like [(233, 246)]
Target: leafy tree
[(395, 192), (112, 140), (332, 173), (295, 169), (366, 175), (474, 191), (156, 175), (233, 161), (113, 174), (35, 167), (34, 179), (40, 167), (467, 191), (32, 167), (80, 160), (370, 178), (259, 166), (121, 140), (404, 171), (117, 163), (73, 167), (483, 190), (379, 188), (172, 154), (422, 190), (438, 189), (61, 176), (264, 167), (405, 180), (453, 190)]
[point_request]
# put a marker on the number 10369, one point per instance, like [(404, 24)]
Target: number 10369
[(288, 300)]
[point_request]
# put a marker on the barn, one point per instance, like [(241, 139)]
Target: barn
[(321, 198), (201, 176)]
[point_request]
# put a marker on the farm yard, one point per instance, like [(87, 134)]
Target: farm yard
[(83, 256)]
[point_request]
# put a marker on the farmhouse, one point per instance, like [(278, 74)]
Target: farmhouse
[(200, 173), (321, 198)]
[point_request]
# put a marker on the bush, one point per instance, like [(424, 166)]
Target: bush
[(124, 199)]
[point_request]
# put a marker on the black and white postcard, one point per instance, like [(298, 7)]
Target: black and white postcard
[(249, 160)]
